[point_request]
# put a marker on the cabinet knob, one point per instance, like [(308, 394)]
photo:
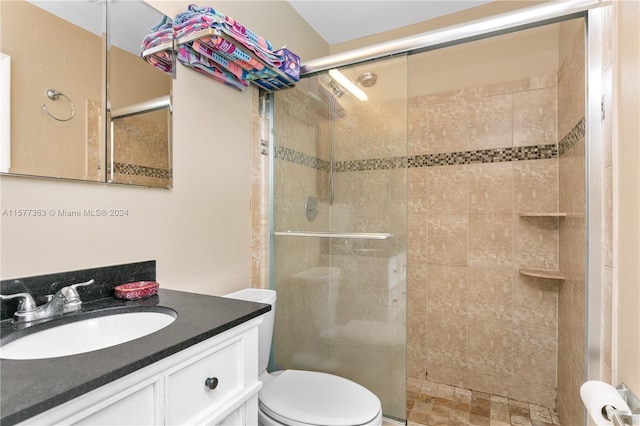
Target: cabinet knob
[(211, 382)]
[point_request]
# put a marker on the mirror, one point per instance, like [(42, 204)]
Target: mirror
[(139, 99), (57, 135), (55, 76)]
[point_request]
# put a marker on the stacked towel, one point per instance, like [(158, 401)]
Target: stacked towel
[(198, 18), (224, 55), (220, 51), (190, 58), (161, 33)]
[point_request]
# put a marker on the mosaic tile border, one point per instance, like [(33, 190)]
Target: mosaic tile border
[(132, 169), (578, 132), (496, 155), (300, 158), (371, 164)]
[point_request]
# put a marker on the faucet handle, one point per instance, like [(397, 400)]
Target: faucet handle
[(27, 304), (75, 286), (71, 292)]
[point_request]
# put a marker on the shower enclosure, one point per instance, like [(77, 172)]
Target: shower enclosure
[(436, 233), (340, 226)]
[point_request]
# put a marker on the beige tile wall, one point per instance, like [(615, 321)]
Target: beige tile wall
[(473, 320), (141, 142), (571, 295)]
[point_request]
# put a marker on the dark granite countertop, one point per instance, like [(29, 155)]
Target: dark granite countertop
[(30, 387)]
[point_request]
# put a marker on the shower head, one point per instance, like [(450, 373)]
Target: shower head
[(367, 79)]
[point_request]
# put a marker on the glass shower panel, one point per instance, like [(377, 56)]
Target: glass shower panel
[(340, 182)]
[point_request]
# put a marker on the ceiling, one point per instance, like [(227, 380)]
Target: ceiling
[(335, 20), (135, 18), (342, 20)]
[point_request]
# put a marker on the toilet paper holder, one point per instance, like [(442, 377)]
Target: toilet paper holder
[(623, 417)]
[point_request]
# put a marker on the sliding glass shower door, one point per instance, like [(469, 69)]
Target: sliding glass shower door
[(339, 216)]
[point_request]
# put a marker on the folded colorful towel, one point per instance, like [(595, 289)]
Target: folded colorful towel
[(233, 55), (190, 58), (162, 60), (229, 26), (205, 50), (160, 34)]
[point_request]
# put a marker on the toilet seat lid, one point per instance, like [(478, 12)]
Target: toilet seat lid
[(315, 398)]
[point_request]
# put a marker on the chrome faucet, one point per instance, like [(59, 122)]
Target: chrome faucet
[(64, 301)]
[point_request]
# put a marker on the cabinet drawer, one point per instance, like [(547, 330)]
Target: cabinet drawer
[(189, 397), (138, 408)]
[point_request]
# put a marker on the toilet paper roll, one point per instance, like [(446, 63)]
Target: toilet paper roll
[(596, 395)]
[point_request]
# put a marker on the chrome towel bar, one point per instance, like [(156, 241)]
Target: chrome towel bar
[(344, 235)]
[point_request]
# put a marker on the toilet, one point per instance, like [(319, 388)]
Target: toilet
[(306, 398)]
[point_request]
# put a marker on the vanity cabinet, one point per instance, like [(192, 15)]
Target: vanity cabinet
[(214, 382)]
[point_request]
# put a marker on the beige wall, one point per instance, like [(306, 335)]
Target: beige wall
[(627, 206), (200, 231), (485, 62)]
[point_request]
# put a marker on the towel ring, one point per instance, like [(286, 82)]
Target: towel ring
[(54, 95)]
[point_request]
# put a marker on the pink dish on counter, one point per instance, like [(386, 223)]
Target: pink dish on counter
[(136, 290)]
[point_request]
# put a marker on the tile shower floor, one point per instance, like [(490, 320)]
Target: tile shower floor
[(433, 404)]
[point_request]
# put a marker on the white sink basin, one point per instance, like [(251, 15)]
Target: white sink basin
[(86, 335)]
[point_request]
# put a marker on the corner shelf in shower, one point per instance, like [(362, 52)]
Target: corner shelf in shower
[(276, 81), (542, 273)]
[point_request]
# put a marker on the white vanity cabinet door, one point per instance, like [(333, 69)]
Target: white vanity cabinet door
[(173, 392), (234, 419), (132, 400), (138, 408)]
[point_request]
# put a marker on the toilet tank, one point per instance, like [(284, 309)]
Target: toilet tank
[(265, 330)]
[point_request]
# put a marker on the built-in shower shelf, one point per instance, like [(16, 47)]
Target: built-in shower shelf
[(542, 214), (542, 273)]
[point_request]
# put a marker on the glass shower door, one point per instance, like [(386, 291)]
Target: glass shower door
[(339, 218)]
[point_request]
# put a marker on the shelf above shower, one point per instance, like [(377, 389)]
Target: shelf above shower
[(542, 273), (343, 235), (218, 47)]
